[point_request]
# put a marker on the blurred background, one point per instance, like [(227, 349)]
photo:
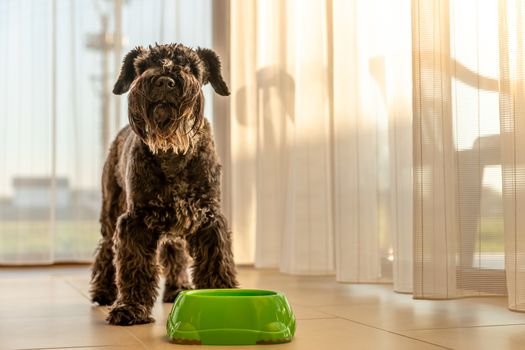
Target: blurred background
[(59, 116)]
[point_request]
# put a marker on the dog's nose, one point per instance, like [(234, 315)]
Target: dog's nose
[(165, 83)]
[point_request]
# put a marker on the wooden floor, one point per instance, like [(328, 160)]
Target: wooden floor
[(48, 308)]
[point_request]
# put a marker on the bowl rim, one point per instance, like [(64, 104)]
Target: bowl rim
[(231, 293)]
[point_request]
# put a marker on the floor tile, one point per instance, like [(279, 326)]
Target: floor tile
[(36, 287), (479, 338), (426, 314), (333, 334), (80, 283), (318, 290), (55, 332), (307, 313), (46, 307), (350, 294), (50, 308), (341, 334), (104, 347)]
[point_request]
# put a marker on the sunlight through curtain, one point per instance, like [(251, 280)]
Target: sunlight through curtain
[(321, 137), (512, 118), (57, 107), (458, 237), (365, 142)]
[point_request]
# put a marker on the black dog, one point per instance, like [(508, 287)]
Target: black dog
[(161, 186)]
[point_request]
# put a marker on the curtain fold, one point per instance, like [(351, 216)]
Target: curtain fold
[(435, 226), (458, 227), (512, 118), (314, 156), (308, 202), (373, 165), (280, 135)]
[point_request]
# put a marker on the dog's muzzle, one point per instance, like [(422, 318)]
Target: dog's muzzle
[(163, 113)]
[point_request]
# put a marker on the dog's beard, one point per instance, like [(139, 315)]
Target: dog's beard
[(166, 126), (177, 136)]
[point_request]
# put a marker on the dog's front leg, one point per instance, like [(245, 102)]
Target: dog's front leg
[(136, 270), (211, 249)]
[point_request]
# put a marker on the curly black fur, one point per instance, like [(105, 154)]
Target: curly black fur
[(161, 187)]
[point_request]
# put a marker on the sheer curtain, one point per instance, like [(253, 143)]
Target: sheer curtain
[(57, 113), (321, 137), (280, 135), (468, 159), (512, 118), (365, 142), (458, 235), (372, 141)]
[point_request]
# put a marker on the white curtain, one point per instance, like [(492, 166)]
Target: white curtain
[(512, 119), (57, 113), (280, 136), (372, 141), (458, 231), (365, 142), (321, 137)]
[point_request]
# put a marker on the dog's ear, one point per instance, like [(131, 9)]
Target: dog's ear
[(212, 74), (127, 72)]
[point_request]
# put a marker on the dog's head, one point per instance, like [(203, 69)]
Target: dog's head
[(165, 99)]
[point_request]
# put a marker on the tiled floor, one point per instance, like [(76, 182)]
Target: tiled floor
[(48, 308)]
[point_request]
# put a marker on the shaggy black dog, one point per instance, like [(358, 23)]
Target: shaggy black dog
[(161, 187)]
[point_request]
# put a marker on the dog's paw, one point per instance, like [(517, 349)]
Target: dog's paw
[(125, 315), (102, 299), (170, 295)]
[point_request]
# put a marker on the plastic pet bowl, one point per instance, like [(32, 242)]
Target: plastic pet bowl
[(231, 317)]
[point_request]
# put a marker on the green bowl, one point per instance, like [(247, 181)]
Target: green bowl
[(231, 317)]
